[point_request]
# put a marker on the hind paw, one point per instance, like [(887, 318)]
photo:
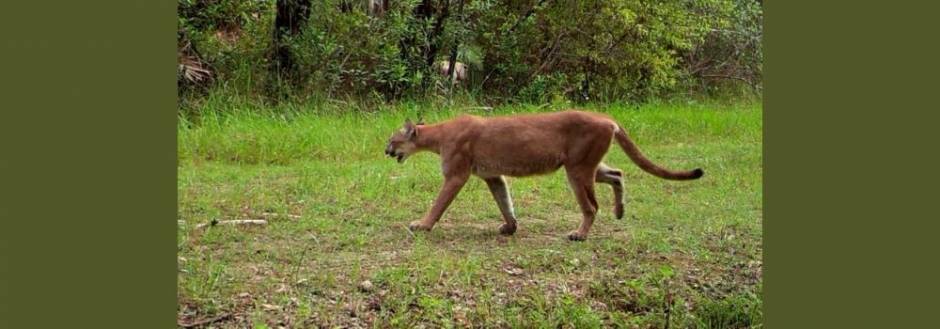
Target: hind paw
[(507, 229)]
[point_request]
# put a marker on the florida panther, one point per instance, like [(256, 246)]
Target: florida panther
[(525, 145)]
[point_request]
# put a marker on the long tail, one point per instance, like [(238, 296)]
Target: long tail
[(648, 166)]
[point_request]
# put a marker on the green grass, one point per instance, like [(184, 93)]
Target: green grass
[(338, 211)]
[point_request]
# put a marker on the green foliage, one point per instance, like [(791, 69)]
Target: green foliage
[(220, 14), (231, 38), (730, 55), (626, 49), (533, 51)]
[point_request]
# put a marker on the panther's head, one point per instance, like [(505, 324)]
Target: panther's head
[(402, 143)]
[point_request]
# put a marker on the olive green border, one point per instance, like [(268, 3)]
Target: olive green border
[(89, 164), (89, 174), (845, 152)]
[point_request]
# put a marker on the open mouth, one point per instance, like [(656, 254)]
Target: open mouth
[(400, 157)]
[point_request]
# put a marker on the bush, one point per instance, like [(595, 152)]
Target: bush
[(534, 51), (730, 56)]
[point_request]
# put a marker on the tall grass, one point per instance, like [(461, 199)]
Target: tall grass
[(250, 133)]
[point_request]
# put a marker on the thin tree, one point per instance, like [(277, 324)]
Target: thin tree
[(291, 18), (453, 50)]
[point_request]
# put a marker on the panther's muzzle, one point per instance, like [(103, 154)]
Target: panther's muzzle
[(391, 153)]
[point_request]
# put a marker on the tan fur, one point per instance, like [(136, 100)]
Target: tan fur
[(525, 145), (460, 70)]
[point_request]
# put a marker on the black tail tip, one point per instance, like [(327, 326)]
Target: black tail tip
[(697, 173)]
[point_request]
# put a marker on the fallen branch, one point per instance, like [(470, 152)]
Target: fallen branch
[(482, 108), (721, 76), (215, 222), (276, 215)]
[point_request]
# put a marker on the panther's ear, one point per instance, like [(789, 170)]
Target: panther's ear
[(410, 130)]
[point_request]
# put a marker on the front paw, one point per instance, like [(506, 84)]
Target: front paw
[(577, 236), (418, 226)]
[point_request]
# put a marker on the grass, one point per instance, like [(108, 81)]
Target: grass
[(686, 255)]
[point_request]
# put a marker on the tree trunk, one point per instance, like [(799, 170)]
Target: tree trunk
[(434, 40), (421, 12), (525, 16), (435, 37), (291, 18), (453, 49)]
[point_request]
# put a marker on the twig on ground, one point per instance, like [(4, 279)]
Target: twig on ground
[(276, 215), (215, 222), (408, 230)]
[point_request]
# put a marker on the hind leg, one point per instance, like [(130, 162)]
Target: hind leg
[(582, 184), (584, 158), (613, 177)]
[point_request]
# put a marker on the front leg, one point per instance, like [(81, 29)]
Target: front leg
[(500, 193), (452, 185)]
